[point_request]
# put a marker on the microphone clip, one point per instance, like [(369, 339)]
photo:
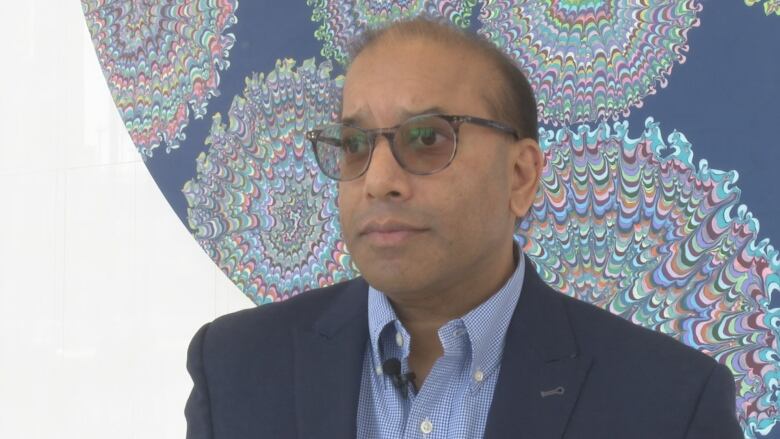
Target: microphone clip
[(392, 368)]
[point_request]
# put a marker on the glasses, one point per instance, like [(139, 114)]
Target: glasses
[(422, 145)]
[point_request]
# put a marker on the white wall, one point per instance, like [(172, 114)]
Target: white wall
[(101, 286)]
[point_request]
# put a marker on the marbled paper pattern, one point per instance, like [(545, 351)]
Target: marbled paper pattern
[(590, 61), (259, 205), (770, 6), (343, 20), (632, 226), (161, 59)]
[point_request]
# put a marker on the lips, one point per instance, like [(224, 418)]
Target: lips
[(388, 226), (389, 232)]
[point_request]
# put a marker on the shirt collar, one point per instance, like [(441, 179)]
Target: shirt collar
[(380, 314), (485, 325)]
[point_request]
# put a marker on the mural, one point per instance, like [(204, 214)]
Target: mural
[(160, 60), (590, 61), (259, 206), (770, 6), (344, 20), (624, 218)]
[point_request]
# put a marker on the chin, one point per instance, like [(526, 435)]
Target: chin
[(391, 269), (390, 280)]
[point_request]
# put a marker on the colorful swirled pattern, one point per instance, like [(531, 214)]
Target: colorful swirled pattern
[(161, 58), (632, 226), (591, 60), (770, 6), (259, 205), (343, 20)]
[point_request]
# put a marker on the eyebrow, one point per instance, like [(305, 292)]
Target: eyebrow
[(355, 120)]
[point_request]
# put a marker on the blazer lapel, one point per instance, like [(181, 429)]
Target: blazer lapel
[(328, 366), (541, 372)]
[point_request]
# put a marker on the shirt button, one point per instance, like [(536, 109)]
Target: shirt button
[(378, 370), (458, 332), (426, 426), (479, 376), (399, 339)]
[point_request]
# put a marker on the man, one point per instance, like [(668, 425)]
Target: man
[(450, 333)]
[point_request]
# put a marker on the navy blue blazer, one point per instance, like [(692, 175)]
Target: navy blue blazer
[(293, 369)]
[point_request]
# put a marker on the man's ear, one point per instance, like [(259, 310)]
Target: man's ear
[(526, 161)]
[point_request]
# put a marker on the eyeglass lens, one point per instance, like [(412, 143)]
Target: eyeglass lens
[(421, 145)]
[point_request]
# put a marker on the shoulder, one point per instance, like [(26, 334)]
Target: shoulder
[(300, 310), (276, 321), (674, 386), (612, 340), (608, 336)]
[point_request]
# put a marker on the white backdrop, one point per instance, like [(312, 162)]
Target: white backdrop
[(101, 286)]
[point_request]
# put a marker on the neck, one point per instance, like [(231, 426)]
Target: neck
[(430, 309), (424, 312)]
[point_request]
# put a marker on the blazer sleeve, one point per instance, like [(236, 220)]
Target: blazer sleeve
[(197, 411), (715, 415)]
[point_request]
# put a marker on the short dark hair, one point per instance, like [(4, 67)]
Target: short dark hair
[(517, 107)]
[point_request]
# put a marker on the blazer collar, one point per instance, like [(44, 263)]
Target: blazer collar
[(328, 365), (542, 369)]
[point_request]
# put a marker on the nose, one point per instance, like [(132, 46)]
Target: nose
[(385, 178)]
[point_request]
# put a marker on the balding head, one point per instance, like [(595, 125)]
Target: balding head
[(509, 95)]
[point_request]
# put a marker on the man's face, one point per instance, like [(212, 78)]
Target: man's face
[(410, 233)]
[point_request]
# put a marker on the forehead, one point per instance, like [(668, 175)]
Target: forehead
[(395, 78)]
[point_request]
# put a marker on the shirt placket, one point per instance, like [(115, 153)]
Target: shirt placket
[(431, 409)]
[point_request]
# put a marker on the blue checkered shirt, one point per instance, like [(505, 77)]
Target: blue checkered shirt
[(455, 398)]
